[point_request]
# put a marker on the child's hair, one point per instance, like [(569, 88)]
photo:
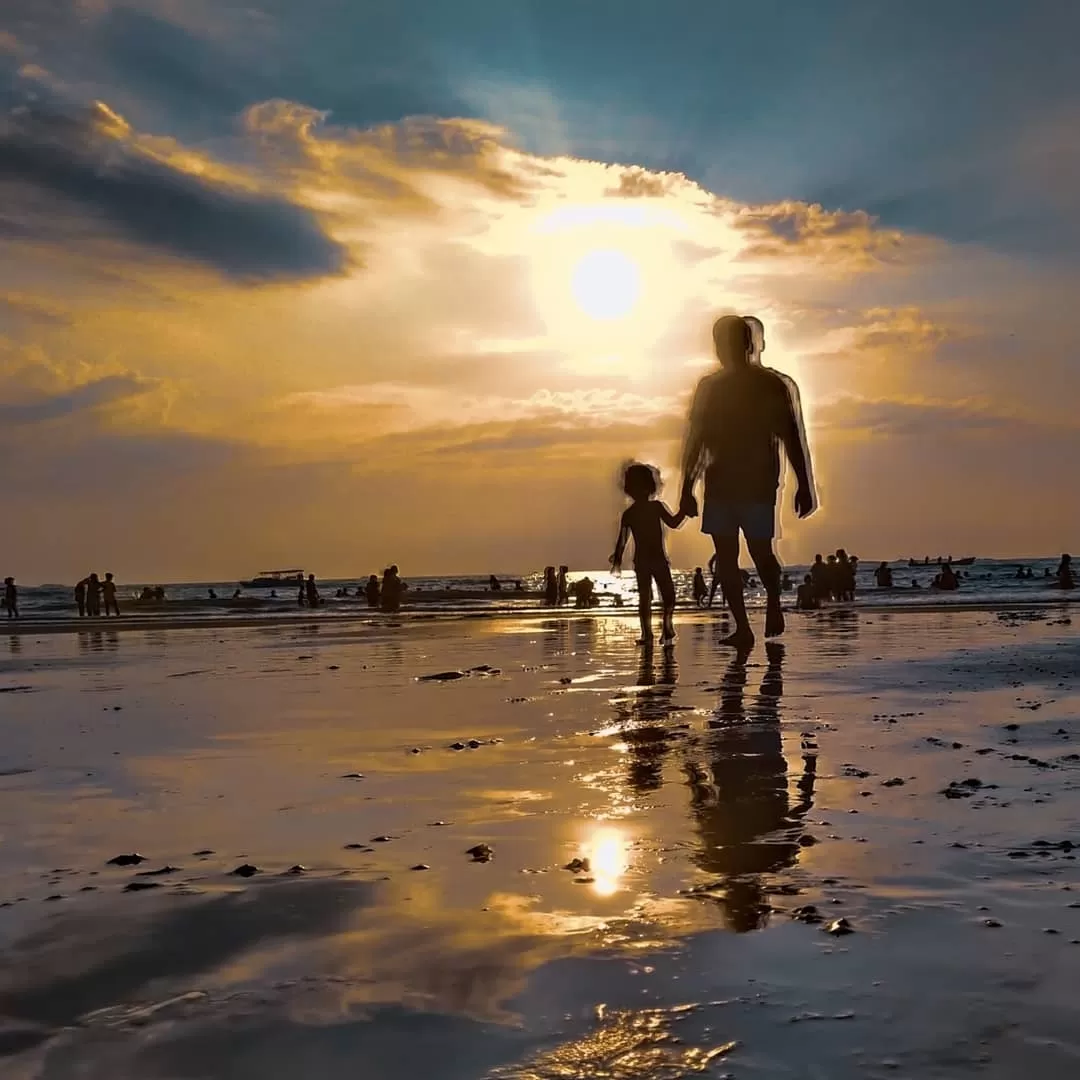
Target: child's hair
[(807, 580), (640, 481)]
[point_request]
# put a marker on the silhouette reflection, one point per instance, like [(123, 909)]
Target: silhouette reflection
[(642, 715), (747, 822)]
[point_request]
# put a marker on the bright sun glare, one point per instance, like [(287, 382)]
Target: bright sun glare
[(606, 284), (607, 281)]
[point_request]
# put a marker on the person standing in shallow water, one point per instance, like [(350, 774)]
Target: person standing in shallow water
[(80, 597), (11, 598), (93, 595), (738, 419), (108, 591)]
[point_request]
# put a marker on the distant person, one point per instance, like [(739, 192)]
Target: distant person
[(787, 584), (700, 589), (93, 596), (372, 591), (210, 594), (738, 420), (11, 598), (311, 592), (301, 595), (392, 587), (1065, 576), (1028, 575), (159, 594), (108, 593), (806, 596), (494, 584), (819, 573), (644, 520), (80, 597), (564, 592), (583, 591), (551, 586), (519, 586), (915, 583), (832, 579), (845, 577), (947, 581), (883, 576), (1019, 573)]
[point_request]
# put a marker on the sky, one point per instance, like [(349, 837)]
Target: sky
[(336, 284)]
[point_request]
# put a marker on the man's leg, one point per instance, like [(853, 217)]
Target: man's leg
[(730, 578), (768, 568)]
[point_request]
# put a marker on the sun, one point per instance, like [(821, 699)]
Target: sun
[(606, 282)]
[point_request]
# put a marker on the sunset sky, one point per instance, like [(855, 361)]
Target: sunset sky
[(338, 283)]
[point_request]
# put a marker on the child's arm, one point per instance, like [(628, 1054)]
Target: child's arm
[(672, 521), (620, 544)]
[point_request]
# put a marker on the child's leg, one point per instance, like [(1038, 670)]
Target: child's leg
[(644, 588), (667, 598)]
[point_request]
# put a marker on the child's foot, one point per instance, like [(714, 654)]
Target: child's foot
[(774, 619)]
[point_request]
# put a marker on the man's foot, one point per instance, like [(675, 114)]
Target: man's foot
[(774, 619), (645, 639), (741, 639), (668, 637)]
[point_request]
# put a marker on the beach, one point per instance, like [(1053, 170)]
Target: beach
[(848, 855)]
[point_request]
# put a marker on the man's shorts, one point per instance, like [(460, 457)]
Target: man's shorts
[(756, 520)]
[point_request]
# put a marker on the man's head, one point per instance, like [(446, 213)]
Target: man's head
[(757, 335), (733, 340)]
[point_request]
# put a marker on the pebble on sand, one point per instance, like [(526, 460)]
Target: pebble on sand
[(839, 927), (141, 886), (126, 860), (352, 776), (578, 866), (420, 866), (442, 676), (245, 870), (480, 853)]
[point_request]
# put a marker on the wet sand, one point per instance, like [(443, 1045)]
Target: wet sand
[(915, 774)]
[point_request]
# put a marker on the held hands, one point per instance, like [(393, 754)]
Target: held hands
[(688, 506), (804, 502)]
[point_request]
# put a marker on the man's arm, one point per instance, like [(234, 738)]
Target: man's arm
[(693, 458), (793, 436)]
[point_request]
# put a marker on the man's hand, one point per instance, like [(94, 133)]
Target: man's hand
[(688, 505), (804, 502)]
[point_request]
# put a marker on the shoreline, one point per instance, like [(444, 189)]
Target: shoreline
[(73, 624)]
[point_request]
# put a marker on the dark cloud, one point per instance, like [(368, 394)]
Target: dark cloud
[(88, 160), (88, 396)]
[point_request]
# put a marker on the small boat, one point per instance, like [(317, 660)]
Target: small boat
[(964, 562), (274, 579)]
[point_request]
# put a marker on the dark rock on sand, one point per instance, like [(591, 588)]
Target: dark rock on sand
[(420, 866), (806, 914), (896, 781), (992, 923), (245, 870), (839, 927), (457, 746), (381, 839), (480, 853), (296, 871), (578, 866), (806, 840), (141, 886), (358, 847), (352, 776), (437, 824), (126, 860), (442, 676), (201, 854), (159, 872), (474, 744)]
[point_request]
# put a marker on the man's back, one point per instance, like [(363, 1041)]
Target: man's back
[(743, 413)]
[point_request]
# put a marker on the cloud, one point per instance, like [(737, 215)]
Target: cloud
[(91, 395), (787, 228), (89, 158), (917, 418)]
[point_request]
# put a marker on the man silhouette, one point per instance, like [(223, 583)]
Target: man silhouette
[(738, 418)]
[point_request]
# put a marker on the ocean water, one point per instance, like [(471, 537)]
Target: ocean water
[(988, 580)]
